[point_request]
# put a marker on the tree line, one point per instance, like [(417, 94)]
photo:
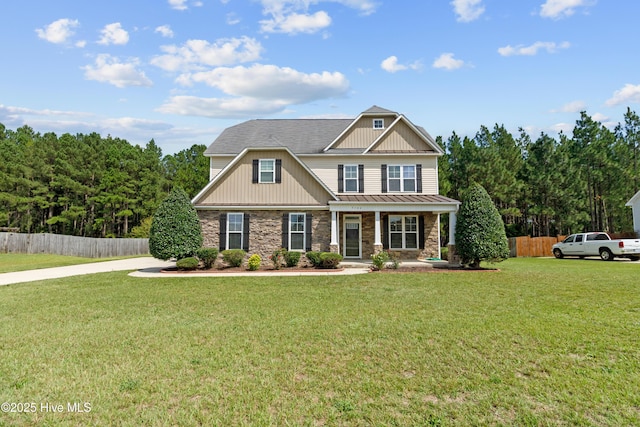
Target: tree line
[(94, 186), (550, 186), (89, 185)]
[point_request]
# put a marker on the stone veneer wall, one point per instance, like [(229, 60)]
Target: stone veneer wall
[(431, 241), (265, 230)]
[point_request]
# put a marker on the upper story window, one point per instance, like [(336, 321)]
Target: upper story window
[(267, 171), (378, 123), (351, 178), (401, 178)]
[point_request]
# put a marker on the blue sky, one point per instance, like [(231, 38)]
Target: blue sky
[(180, 71)]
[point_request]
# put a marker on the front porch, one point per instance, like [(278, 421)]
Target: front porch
[(408, 225)]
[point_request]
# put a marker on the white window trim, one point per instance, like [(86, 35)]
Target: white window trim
[(241, 232), (402, 190), (260, 161), (404, 232), (374, 124), (303, 232), (344, 179)]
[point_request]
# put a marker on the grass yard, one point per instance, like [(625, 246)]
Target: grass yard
[(542, 342), (21, 262)]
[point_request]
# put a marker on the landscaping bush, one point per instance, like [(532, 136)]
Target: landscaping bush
[(208, 256), (292, 258), (379, 260), (189, 263), (175, 230), (233, 257), (330, 260), (480, 233), (254, 262), (444, 253), (314, 258), (277, 258), (395, 259)]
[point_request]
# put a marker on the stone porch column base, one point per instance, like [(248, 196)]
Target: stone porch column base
[(377, 248), (334, 248), (453, 257)]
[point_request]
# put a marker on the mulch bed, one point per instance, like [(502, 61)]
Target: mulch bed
[(174, 270)]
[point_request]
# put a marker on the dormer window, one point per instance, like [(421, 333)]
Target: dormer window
[(378, 123)]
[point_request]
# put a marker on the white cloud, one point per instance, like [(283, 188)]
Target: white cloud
[(195, 54), (114, 34), (562, 127), (58, 31), (165, 31), (571, 107), (629, 94), (391, 65), (599, 117), (270, 82), (550, 47), (108, 69), (232, 18), (295, 23), (446, 61), (256, 90), (178, 4), (556, 9), (228, 108), (467, 10), (293, 16)]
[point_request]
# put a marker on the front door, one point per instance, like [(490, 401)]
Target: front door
[(352, 238)]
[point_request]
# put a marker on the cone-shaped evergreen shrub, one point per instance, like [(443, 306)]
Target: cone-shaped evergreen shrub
[(175, 230), (480, 234)]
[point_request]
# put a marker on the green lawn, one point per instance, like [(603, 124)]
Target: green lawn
[(542, 342), (22, 262)]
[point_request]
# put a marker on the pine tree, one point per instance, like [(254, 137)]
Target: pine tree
[(480, 233), (175, 230)]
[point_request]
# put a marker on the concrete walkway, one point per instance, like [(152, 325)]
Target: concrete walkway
[(81, 269), (150, 268)]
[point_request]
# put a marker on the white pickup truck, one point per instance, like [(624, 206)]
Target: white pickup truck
[(594, 244)]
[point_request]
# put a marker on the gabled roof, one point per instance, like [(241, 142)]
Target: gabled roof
[(230, 167), (300, 136), (634, 199)]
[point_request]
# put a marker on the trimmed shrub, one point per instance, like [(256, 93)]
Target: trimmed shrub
[(208, 256), (175, 230), (189, 263), (292, 258), (444, 252), (254, 262), (480, 233), (314, 258), (233, 257), (277, 258), (395, 259), (330, 260), (379, 260)]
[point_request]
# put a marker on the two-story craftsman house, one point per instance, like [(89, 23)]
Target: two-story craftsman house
[(353, 186)]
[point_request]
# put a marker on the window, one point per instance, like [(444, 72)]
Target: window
[(267, 171), (403, 232), (569, 239), (378, 123), (351, 178), (296, 232), (234, 230), (402, 178)]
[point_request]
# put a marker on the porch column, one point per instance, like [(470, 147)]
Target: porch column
[(334, 246), (377, 236), (452, 228)]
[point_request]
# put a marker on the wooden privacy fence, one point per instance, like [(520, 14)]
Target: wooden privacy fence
[(71, 245), (532, 246)]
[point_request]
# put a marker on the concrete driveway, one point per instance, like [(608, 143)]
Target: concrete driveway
[(81, 269)]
